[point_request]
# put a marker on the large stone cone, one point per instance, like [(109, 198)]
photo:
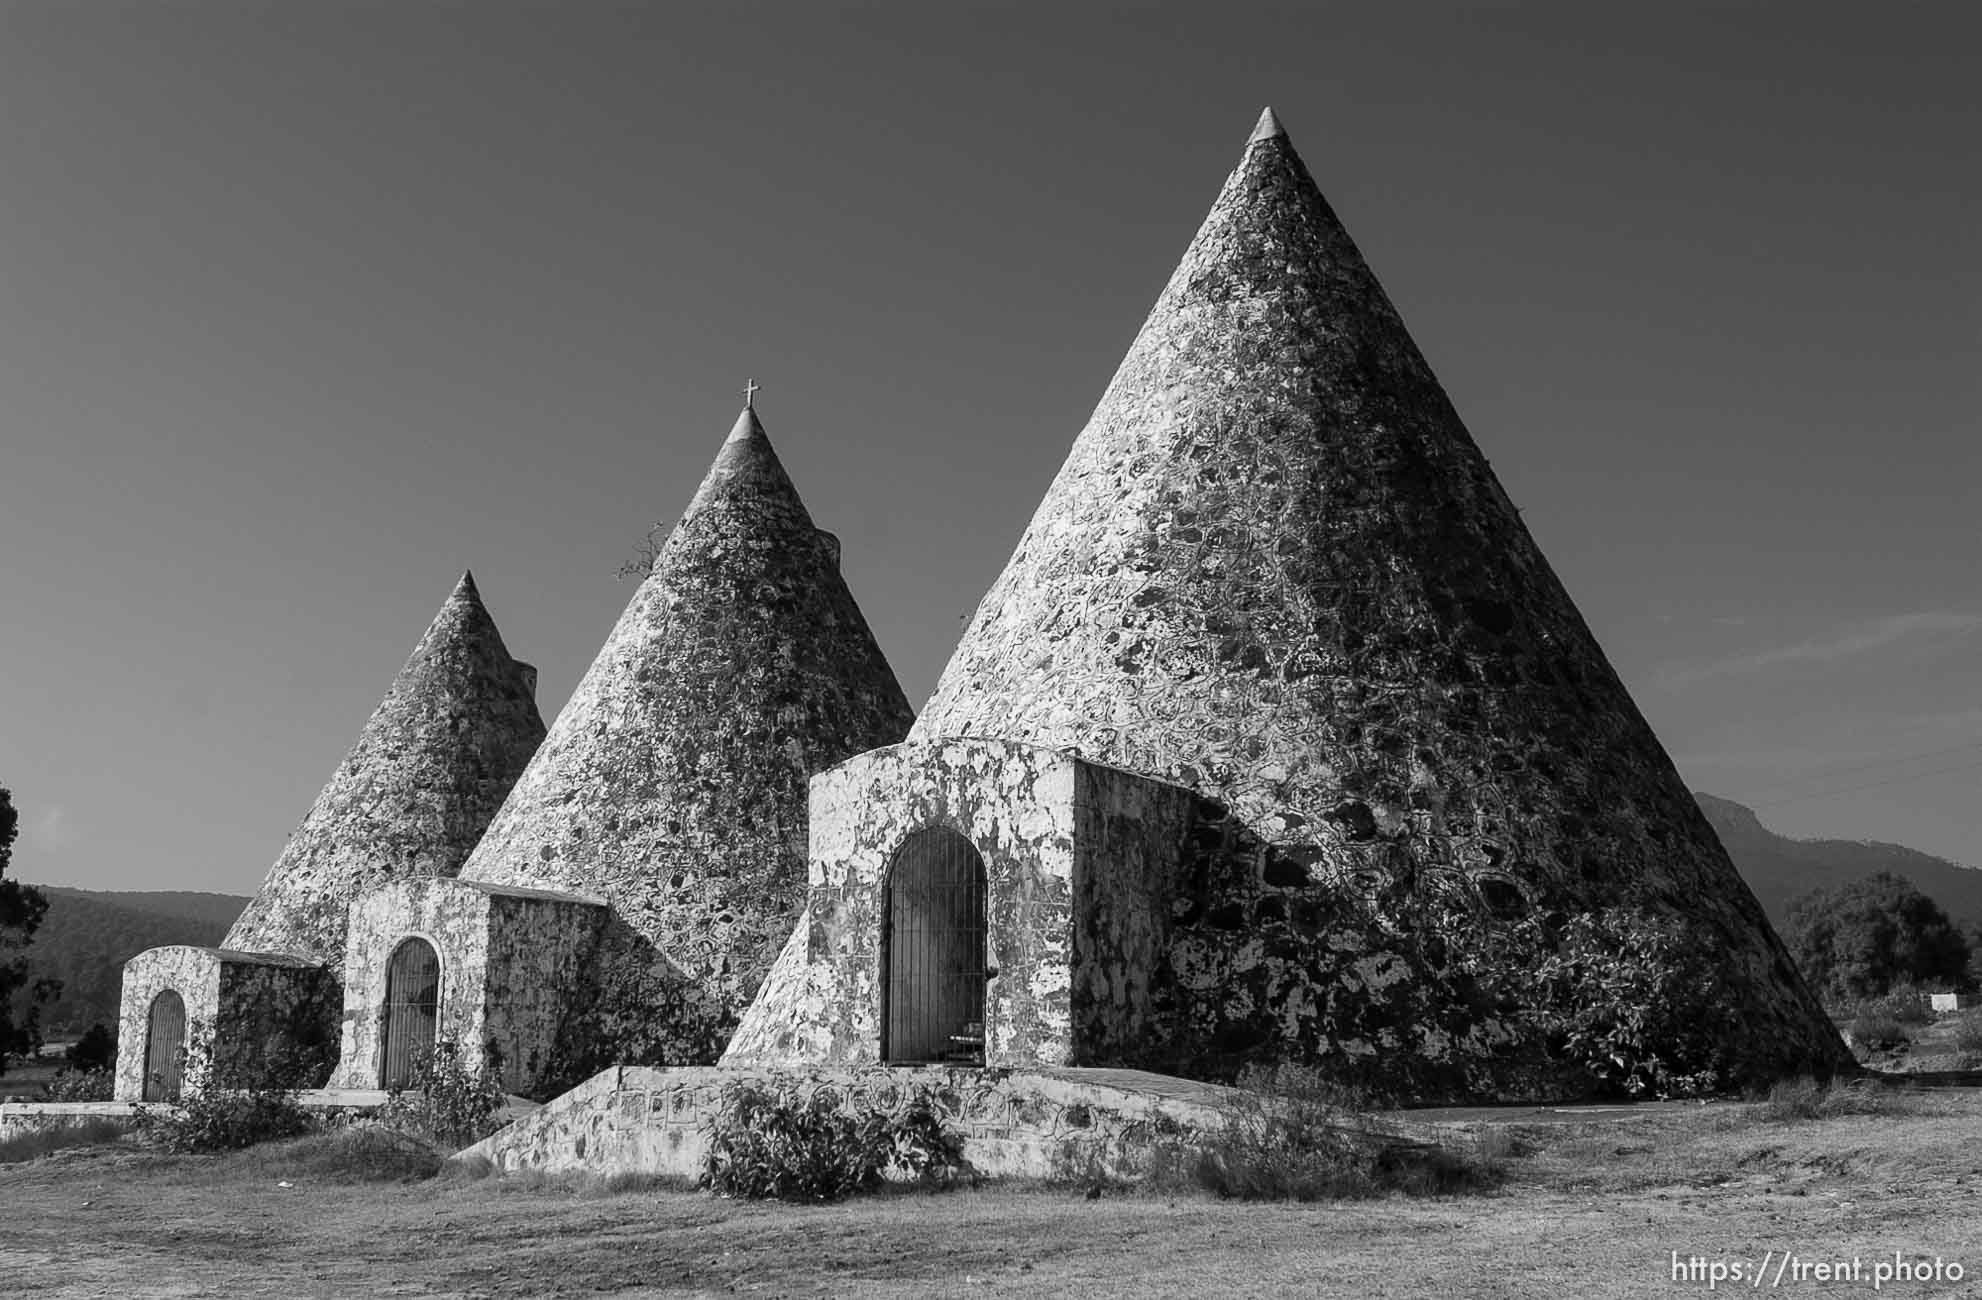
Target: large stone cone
[(1276, 568), (673, 785), (428, 772)]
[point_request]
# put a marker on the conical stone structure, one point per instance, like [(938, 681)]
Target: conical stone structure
[(429, 770), (1276, 568), (673, 784)]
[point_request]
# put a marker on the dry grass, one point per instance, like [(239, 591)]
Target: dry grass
[(1588, 1209)]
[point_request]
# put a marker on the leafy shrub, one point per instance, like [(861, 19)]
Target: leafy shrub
[(773, 1141), (1634, 1003), (1968, 1034), (95, 1050), (1877, 1031), (209, 1117), (447, 1101), (1288, 1135), (81, 1085)]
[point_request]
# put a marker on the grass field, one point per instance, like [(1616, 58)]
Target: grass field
[(1588, 1209)]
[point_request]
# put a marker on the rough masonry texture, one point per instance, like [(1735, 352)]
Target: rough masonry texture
[(673, 784), (1043, 1123), (256, 1012), (1276, 569), (508, 960), (429, 770), (1132, 922)]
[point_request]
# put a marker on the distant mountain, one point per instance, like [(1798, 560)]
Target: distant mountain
[(1781, 870), (88, 935)]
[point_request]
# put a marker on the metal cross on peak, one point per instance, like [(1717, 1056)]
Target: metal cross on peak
[(750, 389)]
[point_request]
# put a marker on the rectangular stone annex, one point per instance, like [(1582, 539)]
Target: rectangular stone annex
[(1123, 921), (255, 1011), (484, 967)]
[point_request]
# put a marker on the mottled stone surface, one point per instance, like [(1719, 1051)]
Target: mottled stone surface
[(414, 795), (1014, 1123), (1015, 805), (1276, 568), (1131, 922), (509, 958), (256, 1010), (673, 783)]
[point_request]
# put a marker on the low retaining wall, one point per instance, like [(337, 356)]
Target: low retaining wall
[(20, 1117), (1040, 1123)]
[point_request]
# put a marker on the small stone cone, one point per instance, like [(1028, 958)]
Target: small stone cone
[(673, 785), (1275, 567), (430, 768)]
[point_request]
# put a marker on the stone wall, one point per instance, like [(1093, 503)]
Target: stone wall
[(193, 973), (1132, 923), (1014, 1123), (511, 961), (265, 1017), (1129, 833), (1015, 805)]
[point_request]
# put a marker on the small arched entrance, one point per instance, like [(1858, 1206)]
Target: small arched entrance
[(412, 1008), (165, 1047), (933, 951)]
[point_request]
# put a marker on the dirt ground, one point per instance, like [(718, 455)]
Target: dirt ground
[(1590, 1208)]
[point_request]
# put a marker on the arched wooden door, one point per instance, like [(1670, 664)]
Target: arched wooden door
[(412, 1006), (165, 1047), (933, 951)]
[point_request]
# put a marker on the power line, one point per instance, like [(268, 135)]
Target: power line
[(1870, 785), (1833, 773)]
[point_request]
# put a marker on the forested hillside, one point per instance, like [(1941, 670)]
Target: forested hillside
[(88, 935), (1781, 870)]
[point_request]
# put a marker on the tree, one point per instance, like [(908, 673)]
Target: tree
[(1861, 939), (21, 909), (95, 1050)]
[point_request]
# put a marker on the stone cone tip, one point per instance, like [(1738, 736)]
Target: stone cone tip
[(466, 589), (746, 427), (1267, 128)]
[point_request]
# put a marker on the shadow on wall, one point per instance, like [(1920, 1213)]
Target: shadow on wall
[(632, 1006)]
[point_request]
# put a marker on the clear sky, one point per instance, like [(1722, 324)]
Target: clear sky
[(306, 307)]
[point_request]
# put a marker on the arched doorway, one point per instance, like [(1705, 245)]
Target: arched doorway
[(933, 952), (412, 1006), (165, 1047)]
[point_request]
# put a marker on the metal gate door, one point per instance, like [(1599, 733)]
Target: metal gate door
[(412, 1005), (165, 1047), (933, 951)]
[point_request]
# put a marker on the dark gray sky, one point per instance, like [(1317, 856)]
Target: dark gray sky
[(306, 307)]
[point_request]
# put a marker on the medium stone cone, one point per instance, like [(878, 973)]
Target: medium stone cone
[(429, 770), (673, 784), (1276, 568)]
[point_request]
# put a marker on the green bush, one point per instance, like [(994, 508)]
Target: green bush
[(772, 1141), (1877, 1031), (447, 1101), (209, 1117), (81, 1085), (1292, 1135), (1968, 1034), (1635, 1003)]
